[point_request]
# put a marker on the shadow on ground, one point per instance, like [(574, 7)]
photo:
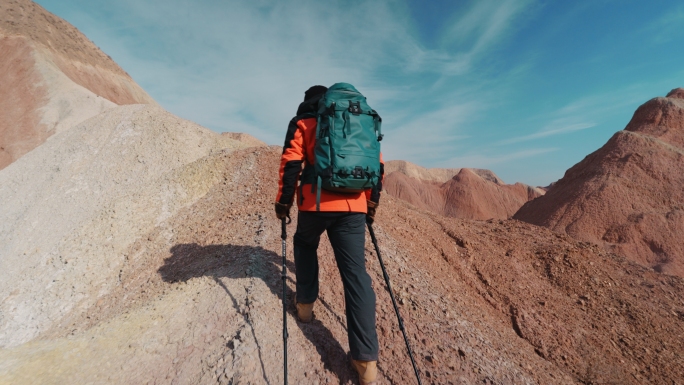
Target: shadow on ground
[(232, 261)]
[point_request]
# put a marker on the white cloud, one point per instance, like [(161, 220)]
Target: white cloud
[(250, 63), (588, 111), (483, 25), (244, 66), (479, 160), (428, 137), (551, 130), (668, 27)]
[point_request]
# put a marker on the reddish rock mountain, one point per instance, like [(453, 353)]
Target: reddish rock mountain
[(51, 78), (461, 193), (629, 194)]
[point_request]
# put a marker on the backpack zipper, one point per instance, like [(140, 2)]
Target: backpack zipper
[(346, 92)]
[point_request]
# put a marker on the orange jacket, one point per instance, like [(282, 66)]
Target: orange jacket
[(299, 151)]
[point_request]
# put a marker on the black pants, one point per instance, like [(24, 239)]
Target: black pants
[(347, 234)]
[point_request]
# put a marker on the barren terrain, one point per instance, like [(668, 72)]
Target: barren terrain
[(195, 298), (137, 247), (459, 193), (628, 195), (51, 78)]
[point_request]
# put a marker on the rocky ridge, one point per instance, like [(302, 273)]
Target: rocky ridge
[(437, 175), (460, 193), (627, 196), (244, 138)]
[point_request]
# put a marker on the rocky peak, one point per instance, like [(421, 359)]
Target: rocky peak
[(661, 118), (676, 93), (627, 195)]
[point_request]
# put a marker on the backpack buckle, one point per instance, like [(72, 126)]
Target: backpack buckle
[(355, 108), (358, 173), (331, 109)]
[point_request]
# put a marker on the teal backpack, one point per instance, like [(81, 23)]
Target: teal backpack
[(347, 151)]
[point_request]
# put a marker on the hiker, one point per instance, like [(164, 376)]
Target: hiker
[(343, 216)]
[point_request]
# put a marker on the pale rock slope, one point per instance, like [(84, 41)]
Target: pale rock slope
[(71, 208), (461, 193), (629, 194), (51, 78)]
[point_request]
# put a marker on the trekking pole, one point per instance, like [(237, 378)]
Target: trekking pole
[(283, 235), (396, 309)]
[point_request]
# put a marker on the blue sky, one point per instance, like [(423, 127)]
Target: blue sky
[(525, 88)]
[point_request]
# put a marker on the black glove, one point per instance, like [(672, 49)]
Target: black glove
[(282, 211), (370, 212)]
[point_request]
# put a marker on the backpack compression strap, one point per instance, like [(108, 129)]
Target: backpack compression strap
[(318, 194)]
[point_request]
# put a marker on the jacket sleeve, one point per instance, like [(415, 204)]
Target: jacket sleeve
[(374, 193), (291, 163)]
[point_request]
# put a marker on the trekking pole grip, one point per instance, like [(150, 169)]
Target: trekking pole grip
[(283, 233)]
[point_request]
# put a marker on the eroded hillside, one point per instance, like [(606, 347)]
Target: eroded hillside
[(627, 195), (458, 193), (196, 299), (51, 78)]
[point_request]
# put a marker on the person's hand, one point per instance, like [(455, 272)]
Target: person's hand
[(282, 211), (370, 212)]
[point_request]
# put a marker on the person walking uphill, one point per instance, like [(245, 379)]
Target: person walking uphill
[(327, 206)]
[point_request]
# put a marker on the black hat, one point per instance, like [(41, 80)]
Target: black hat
[(314, 91)]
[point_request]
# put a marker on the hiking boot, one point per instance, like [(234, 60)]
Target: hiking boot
[(368, 371), (305, 312)]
